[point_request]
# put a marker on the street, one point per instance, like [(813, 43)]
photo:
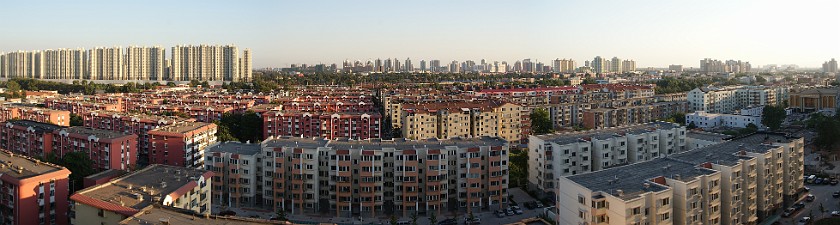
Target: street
[(823, 197)]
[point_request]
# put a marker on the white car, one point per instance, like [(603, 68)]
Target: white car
[(805, 220), (835, 213)]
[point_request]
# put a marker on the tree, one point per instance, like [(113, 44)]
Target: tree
[(280, 215), (772, 117), (518, 169), (432, 218), (170, 84), (691, 125), (393, 220), (76, 120), (589, 81), (247, 127), (540, 122), (414, 218), (79, 164), (760, 79)]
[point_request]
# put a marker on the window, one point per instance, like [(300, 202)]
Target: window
[(664, 216)]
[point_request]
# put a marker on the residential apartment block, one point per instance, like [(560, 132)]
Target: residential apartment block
[(731, 98), (358, 126), (130, 123), (57, 117), (181, 144), (741, 181), (349, 178), (467, 119), (203, 63), (34, 192), (124, 197), (107, 149), (562, 154)]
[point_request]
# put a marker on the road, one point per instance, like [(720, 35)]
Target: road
[(823, 197)]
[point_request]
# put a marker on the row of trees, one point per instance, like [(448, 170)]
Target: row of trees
[(17, 85), (242, 127)]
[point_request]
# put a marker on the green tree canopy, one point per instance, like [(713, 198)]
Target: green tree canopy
[(772, 117), (76, 120), (540, 122)]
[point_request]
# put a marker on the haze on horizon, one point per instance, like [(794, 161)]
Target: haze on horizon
[(654, 33)]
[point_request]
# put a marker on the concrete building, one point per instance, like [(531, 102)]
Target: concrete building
[(107, 149), (159, 214), (702, 119), (815, 100), (34, 192), (349, 178), (181, 144), (699, 139), (138, 124), (326, 125), (468, 119), (830, 66), (599, 65), (564, 154), (742, 181), (731, 98), (144, 63), (57, 117), (117, 200)]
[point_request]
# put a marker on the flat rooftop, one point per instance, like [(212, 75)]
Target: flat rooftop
[(182, 127), (236, 148), (107, 173), (404, 144), (375, 144), (159, 214), (96, 132), (157, 180), (707, 136), (38, 126), (727, 153), (631, 179), (601, 134), (21, 167)]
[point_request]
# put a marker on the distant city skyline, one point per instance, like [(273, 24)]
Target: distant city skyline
[(280, 33)]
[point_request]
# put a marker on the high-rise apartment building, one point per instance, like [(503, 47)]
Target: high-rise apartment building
[(144, 63), (205, 62), (728, 99), (563, 65), (628, 65), (64, 63), (105, 64), (676, 68), (616, 65), (599, 65), (830, 66)]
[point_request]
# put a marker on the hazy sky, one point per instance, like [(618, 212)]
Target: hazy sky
[(654, 33)]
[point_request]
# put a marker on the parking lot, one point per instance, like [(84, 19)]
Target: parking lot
[(822, 197)]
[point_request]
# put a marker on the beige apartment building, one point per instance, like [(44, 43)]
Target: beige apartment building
[(563, 154), (369, 178), (741, 181), (114, 201), (465, 119)]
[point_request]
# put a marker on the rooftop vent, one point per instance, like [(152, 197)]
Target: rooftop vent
[(619, 192)]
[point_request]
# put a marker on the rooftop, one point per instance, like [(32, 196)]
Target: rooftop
[(159, 214), (139, 189), (182, 127), (38, 126), (631, 179), (22, 167), (374, 144), (235, 147), (707, 136), (728, 153), (106, 173), (96, 132), (602, 134)]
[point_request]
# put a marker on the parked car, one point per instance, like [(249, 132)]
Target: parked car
[(805, 220), (227, 213), (403, 222), (818, 181), (835, 213), (517, 210), (474, 221), (834, 182), (836, 194), (810, 198), (540, 205), (799, 205), (509, 212), (789, 212), (530, 205), (499, 213), (448, 222)]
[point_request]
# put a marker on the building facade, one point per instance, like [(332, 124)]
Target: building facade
[(181, 144), (349, 178), (34, 192)]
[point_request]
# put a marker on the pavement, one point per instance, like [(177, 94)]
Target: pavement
[(486, 217), (823, 197)]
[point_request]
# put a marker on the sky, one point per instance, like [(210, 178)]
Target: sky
[(279, 33)]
